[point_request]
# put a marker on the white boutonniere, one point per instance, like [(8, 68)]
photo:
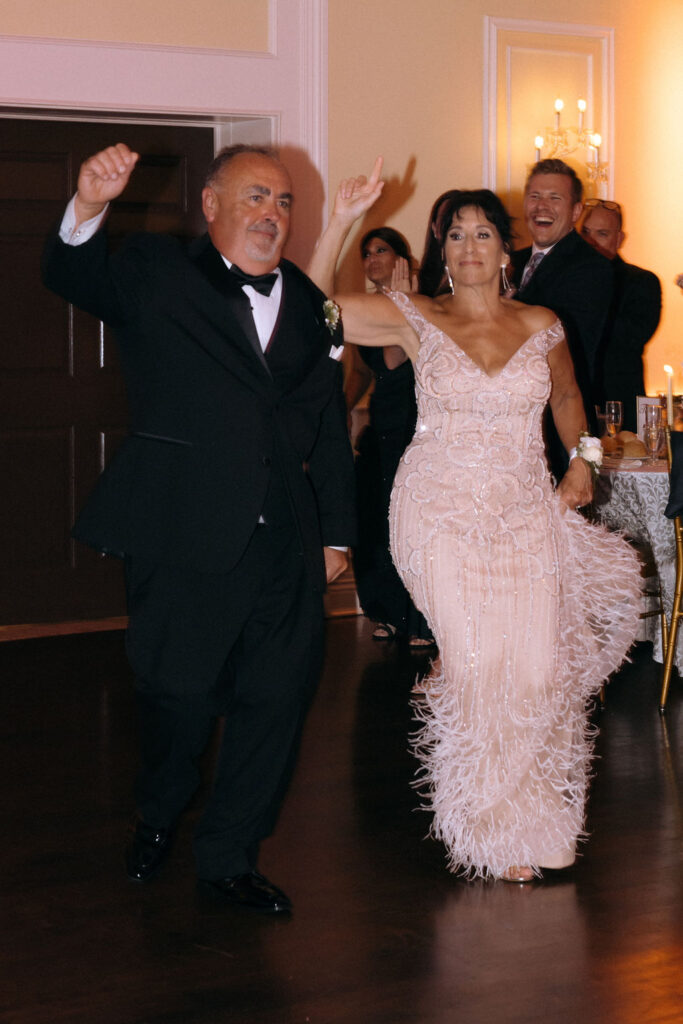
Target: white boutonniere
[(332, 315), (590, 450)]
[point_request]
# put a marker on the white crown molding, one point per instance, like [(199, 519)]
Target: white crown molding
[(113, 44), (287, 84)]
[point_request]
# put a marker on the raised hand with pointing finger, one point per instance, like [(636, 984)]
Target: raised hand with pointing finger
[(354, 197)]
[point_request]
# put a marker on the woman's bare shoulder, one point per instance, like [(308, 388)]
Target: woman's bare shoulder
[(535, 318), (428, 306), (421, 302)]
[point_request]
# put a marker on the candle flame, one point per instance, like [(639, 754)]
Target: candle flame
[(582, 105), (538, 142), (559, 105), (668, 369), (596, 140)]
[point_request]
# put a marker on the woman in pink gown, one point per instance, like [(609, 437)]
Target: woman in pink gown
[(532, 607)]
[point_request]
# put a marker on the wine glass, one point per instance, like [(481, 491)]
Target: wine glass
[(614, 417), (652, 430)]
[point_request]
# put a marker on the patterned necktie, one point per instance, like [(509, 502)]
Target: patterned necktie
[(530, 268), (263, 283)]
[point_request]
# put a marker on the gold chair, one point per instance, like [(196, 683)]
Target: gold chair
[(674, 447), (652, 591)]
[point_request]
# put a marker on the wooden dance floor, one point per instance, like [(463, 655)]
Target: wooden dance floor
[(381, 932)]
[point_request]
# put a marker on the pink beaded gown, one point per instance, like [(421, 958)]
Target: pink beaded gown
[(532, 608)]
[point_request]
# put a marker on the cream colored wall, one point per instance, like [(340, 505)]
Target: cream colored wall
[(224, 24), (406, 80)]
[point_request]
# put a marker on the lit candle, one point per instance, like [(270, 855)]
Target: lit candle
[(559, 105), (596, 140), (582, 110), (538, 142), (668, 370)]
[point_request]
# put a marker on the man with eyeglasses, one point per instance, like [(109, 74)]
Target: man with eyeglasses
[(634, 314), (561, 271)]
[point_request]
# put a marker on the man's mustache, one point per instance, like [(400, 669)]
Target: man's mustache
[(265, 227)]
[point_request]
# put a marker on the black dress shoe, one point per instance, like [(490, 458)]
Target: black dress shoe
[(252, 891), (146, 850)]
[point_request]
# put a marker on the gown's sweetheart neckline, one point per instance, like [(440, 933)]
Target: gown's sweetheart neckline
[(490, 376), (494, 376)]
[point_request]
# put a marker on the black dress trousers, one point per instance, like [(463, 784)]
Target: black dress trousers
[(246, 644)]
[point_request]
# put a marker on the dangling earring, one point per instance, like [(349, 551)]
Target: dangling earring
[(447, 272), (504, 280)]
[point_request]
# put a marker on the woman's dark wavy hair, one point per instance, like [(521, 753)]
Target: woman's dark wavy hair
[(448, 205), (392, 237), (430, 277)]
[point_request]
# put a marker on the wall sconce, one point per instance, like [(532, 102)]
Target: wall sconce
[(564, 140)]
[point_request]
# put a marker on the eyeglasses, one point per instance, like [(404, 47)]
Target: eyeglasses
[(607, 203)]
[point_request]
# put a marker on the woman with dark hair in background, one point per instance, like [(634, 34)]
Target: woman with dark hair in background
[(532, 606), (431, 278), (393, 410)]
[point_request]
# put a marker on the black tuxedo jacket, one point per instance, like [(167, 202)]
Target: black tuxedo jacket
[(633, 319), (211, 419), (576, 282)]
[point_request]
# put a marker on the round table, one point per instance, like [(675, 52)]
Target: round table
[(631, 495)]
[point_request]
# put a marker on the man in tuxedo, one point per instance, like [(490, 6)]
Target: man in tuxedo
[(634, 314), (561, 271), (231, 499)]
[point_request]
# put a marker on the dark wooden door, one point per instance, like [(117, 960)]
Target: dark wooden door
[(62, 402)]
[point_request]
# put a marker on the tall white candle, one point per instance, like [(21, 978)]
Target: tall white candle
[(559, 105), (582, 109), (668, 370)]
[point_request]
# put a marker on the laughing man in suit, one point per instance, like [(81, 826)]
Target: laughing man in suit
[(231, 499), (563, 272)]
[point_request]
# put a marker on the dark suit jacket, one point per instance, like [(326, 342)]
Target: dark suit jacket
[(632, 321), (211, 420), (576, 282)]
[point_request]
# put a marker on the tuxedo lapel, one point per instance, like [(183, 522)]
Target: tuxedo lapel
[(210, 262), (241, 309), (295, 344)]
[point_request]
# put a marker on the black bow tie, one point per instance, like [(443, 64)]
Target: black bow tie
[(263, 283)]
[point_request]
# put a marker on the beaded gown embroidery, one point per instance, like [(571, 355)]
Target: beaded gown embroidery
[(532, 608)]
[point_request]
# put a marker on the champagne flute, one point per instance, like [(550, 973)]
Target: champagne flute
[(614, 417), (653, 430)]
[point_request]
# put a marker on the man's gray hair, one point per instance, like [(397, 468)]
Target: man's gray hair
[(228, 153)]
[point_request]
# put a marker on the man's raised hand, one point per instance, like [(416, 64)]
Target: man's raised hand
[(103, 177)]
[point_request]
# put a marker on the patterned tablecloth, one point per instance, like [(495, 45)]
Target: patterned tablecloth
[(631, 496)]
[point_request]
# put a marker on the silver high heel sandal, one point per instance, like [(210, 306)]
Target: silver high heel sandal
[(519, 875)]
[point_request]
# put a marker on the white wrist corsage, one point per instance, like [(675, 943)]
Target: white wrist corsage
[(332, 315), (590, 450)]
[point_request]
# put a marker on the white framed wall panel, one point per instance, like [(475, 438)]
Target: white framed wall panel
[(527, 65)]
